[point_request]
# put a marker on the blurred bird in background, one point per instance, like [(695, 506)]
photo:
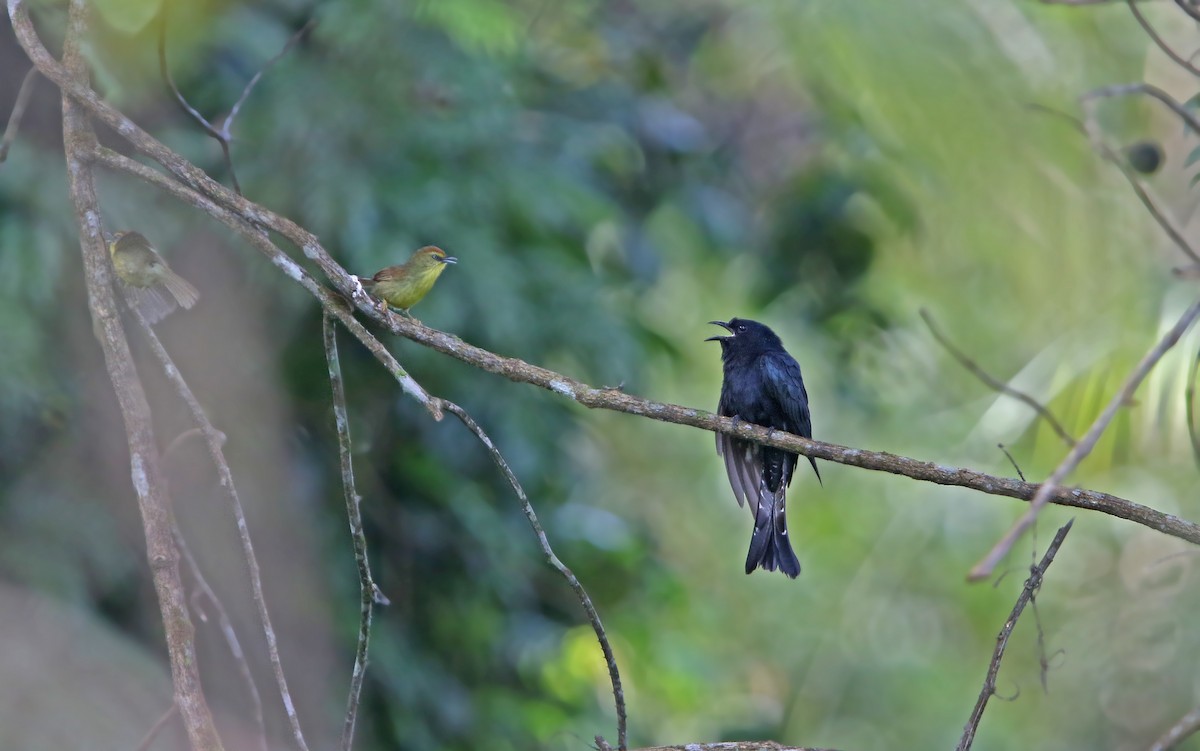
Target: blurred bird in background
[(146, 275), (404, 286), (762, 385)]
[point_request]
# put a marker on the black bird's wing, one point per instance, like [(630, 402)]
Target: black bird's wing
[(743, 465), (785, 386)]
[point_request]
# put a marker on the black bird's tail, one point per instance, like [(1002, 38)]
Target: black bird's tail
[(770, 547)]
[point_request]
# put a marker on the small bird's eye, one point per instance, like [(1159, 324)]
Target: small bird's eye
[(741, 328)]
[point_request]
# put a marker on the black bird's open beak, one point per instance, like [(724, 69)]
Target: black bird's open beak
[(723, 325), (448, 259)]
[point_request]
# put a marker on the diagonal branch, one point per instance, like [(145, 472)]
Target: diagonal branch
[(18, 113), (1183, 729), (994, 383), (613, 674), (984, 568), (1158, 40), (1032, 585), (1131, 89), (370, 595), (292, 41), (227, 631)]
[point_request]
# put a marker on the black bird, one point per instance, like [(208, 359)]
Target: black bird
[(762, 385)]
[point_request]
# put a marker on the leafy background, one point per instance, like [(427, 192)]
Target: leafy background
[(612, 175)]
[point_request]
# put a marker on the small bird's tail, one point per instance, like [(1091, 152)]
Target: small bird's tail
[(181, 289), (152, 303), (770, 547)]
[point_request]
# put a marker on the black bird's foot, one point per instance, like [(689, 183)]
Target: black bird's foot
[(619, 387)]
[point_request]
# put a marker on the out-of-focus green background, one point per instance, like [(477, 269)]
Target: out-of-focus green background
[(612, 175)]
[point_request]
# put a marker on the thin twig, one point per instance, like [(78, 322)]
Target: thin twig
[(1130, 89), (994, 383), (291, 42), (1162, 45), (613, 674), (370, 594), (1183, 729), (18, 112), (1032, 584), (222, 135), (227, 630), (1012, 461), (165, 71), (157, 727), (213, 438), (1110, 155), (984, 568)]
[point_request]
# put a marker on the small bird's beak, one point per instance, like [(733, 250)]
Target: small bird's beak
[(723, 325), (448, 259)]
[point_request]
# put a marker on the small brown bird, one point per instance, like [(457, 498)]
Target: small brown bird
[(403, 286), (145, 272)]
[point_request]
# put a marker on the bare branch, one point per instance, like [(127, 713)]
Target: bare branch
[(157, 727), (222, 135), (1032, 584), (994, 383), (18, 112), (613, 674), (165, 71), (1012, 461), (1162, 45), (214, 438), (1123, 397), (154, 502), (1129, 89), (227, 631), (369, 592), (1179, 732), (237, 107)]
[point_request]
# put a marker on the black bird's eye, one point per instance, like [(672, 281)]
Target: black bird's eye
[(741, 328)]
